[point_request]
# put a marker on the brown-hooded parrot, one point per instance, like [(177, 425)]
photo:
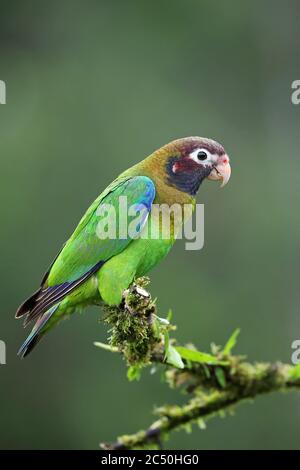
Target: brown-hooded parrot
[(90, 268)]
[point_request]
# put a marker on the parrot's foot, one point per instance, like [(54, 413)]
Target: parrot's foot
[(135, 298), (137, 301), (134, 328)]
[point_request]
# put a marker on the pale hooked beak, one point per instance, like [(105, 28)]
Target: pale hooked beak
[(221, 171)]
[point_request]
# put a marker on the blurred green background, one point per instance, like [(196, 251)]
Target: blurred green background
[(92, 88)]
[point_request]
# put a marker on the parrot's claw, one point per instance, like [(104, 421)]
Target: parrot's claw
[(136, 300)]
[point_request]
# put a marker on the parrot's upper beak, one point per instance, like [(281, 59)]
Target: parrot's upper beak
[(221, 171)]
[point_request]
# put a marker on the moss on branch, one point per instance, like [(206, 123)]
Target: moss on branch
[(215, 382)]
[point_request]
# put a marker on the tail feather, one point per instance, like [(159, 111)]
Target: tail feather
[(46, 297), (43, 303), (28, 304), (31, 302), (36, 334)]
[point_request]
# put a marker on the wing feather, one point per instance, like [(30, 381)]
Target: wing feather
[(84, 253)]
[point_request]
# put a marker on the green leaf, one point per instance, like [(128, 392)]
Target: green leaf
[(231, 342), (166, 343), (156, 328), (188, 428), (169, 315), (133, 373), (220, 377), (198, 356), (295, 372), (173, 358), (201, 423)]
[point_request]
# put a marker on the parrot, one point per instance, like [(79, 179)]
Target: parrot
[(92, 269)]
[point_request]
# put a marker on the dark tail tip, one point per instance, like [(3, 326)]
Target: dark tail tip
[(27, 305), (28, 346), (37, 332)]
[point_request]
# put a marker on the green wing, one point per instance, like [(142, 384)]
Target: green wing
[(85, 252), (85, 249)]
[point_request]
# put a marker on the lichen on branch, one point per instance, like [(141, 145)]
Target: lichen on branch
[(215, 381)]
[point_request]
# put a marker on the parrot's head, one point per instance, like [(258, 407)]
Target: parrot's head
[(191, 160)]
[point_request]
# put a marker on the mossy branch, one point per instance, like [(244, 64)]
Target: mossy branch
[(215, 382)]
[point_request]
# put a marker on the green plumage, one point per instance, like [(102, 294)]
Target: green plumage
[(89, 269), (124, 259)]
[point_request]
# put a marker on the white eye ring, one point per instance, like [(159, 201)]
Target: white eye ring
[(202, 156)]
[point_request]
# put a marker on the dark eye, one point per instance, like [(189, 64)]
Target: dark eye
[(202, 155)]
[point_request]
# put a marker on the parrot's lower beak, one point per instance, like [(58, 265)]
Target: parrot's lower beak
[(221, 171)]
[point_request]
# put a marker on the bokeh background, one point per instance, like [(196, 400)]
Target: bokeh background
[(92, 88)]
